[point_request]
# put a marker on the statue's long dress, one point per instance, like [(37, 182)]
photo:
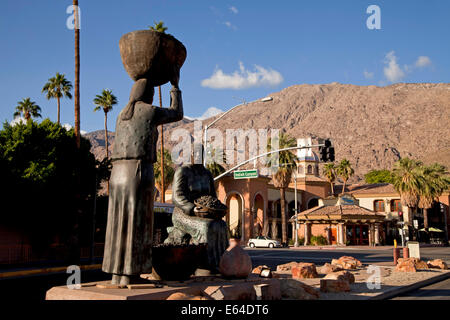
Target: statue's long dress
[(130, 222), (129, 230)]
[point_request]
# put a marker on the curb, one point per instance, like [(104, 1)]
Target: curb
[(396, 292), (22, 273)]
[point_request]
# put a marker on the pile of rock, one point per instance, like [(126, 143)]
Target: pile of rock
[(304, 271), (286, 267), (328, 268), (437, 264), (410, 265), (347, 263), (297, 290), (338, 281)]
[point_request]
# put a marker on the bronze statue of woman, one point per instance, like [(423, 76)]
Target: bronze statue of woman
[(129, 230)]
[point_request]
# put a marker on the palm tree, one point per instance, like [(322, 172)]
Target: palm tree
[(105, 101), (344, 170), (407, 182), (214, 167), (282, 177), (159, 27), (58, 87), (169, 172), (28, 109), (329, 171), (77, 74), (433, 183)]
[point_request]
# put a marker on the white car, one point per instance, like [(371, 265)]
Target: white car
[(263, 242)]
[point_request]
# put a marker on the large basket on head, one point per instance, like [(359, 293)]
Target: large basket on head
[(151, 55)]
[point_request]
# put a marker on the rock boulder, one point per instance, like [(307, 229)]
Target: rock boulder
[(304, 271), (437, 264), (331, 285), (296, 290)]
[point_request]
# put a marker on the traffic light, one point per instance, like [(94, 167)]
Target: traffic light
[(327, 151), (330, 154), (323, 154)]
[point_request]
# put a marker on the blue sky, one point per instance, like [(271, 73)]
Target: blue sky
[(236, 49)]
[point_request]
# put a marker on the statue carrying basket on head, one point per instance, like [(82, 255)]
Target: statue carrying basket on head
[(151, 59)]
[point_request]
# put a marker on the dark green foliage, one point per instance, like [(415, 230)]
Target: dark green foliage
[(318, 240), (378, 176), (47, 185)]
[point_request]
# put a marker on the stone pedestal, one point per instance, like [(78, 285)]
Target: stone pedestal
[(215, 288)]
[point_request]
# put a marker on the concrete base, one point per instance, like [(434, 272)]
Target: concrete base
[(212, 287)]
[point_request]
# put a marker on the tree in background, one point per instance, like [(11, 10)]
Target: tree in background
[(57, 88), (105, 101), (434, 181), (345, 171), (283, 175), (329, 171), (28, 109), (159, 27), (168, 170), (40, 166), (378, 176), (406, 178), (213, 166)]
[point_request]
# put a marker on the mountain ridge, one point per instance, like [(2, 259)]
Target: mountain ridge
[(371, 126)]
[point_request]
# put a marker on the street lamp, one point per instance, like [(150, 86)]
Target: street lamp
[(205, 130)]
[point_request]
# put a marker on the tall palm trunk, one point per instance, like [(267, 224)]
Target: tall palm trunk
[(343, 187), (332, 188), (283, 216), (77, 75), (57, 99), (163, 196), (425, 218), (106, 145)]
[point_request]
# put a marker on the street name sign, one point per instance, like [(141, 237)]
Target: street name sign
[(246, 174)]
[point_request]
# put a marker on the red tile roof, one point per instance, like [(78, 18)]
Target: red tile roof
[(341, 210)]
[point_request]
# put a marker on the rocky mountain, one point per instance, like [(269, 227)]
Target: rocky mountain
[(369, 125)]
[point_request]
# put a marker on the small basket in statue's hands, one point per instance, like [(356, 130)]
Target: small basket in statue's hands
[(209, 207)]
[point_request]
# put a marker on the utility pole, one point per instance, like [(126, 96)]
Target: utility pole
[(296, 210)]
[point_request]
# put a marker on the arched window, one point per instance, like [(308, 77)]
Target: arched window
[(378, 206), (396, 205), (310, 169)]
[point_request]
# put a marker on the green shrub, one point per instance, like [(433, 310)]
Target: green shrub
[(318, 240)]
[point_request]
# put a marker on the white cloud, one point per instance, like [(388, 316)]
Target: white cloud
[(69, 127), (368, 75), (234, 10), (392, 71), (423, 61), (18, 120), (243, 78), (230, 25), (210, 112)]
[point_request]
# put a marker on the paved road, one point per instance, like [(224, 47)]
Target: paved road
[(437, 291), (274, 257)]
